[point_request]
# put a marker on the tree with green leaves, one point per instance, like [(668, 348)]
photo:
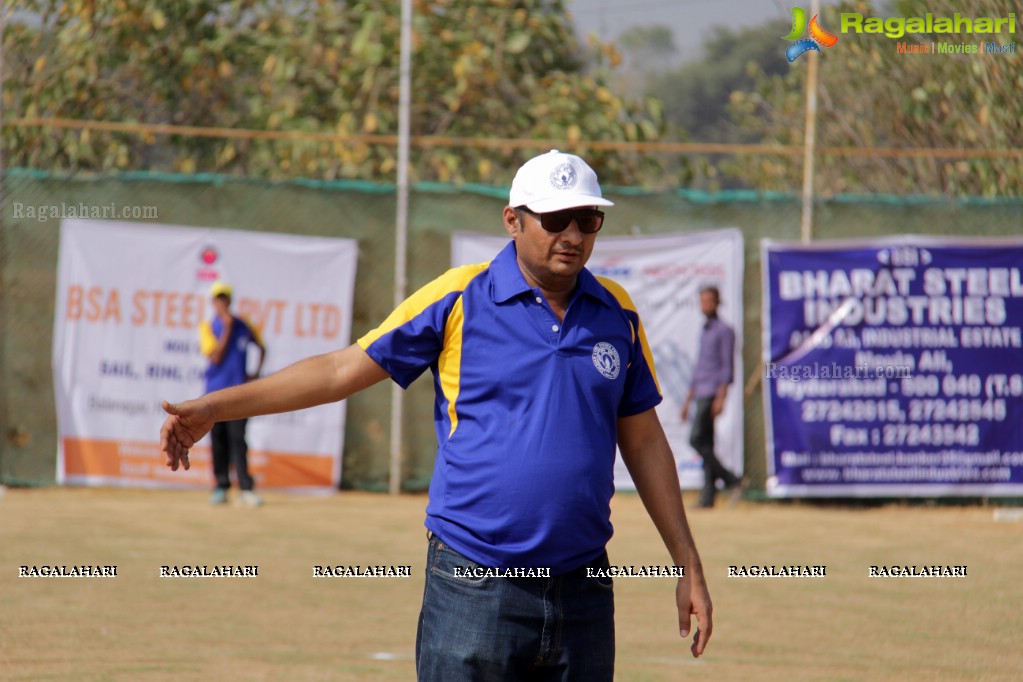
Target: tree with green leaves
[(498, 69), (870, 95), (647, 51), (697, 95)]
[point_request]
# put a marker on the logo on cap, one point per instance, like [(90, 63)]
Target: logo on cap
[(563, 177)]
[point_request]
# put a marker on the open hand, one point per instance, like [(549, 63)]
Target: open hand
[(693, 599), (187, 424)]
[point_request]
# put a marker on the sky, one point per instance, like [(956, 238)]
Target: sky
[(689, 20)]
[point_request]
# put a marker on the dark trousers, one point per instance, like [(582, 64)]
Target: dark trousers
[(702, 439), (230, 448)]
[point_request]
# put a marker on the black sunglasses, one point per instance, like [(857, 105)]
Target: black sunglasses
[(589, 220)]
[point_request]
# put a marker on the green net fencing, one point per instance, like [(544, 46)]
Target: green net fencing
[(29, 236)]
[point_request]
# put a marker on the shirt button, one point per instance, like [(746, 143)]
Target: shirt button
[(554, 327), (539, 300)]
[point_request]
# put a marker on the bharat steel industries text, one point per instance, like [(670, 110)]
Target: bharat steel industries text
[(861, 296)]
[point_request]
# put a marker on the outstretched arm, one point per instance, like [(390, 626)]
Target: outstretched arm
[(648, 457), (314, 381)]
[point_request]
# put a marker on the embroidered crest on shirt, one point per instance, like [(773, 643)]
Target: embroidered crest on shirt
[(606, 360), (563, 177)]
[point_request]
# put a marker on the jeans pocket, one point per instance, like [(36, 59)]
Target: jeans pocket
[(450, 566), (601, 573)]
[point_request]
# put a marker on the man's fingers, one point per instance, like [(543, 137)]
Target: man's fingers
[(184, 440), (694, 601), (176, 435), (174, 442), (176, 456), (685, 607), (704, 626), (173, 451), (700, 640), (167, 444)]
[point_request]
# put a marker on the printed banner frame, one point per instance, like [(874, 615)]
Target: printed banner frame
[(898, 382), (130, 298)]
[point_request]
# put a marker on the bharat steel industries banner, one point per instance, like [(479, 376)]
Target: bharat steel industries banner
[(130, 299), (663, 274), (894, 367)]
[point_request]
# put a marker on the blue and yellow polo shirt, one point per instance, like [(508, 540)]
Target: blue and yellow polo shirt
[(231, 371), (526, 408)]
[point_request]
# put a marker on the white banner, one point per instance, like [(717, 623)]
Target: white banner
[(130, 299), (663, 275)]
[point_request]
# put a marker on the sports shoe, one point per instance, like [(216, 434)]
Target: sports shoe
[(735, 491), (219, 496), (249, 499)]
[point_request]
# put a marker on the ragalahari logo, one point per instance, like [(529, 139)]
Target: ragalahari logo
[(818, 36)]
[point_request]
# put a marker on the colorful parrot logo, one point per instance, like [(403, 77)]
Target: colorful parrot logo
[(819, 37)]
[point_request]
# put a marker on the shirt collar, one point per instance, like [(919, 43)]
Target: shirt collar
[(508, 281)]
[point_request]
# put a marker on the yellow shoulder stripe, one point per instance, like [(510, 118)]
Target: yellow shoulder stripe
[(624, 300), (207, 339), (455, 279)]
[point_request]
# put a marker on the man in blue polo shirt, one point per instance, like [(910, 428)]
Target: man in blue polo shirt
[(224, 340), (540, 369)]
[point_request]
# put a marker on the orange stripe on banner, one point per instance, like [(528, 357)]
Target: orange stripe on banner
[(290, 470), (140, 460)]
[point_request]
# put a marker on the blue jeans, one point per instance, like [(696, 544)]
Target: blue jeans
[(494, 629)]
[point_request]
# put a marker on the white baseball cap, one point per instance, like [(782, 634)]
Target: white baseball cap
[(555, 181)]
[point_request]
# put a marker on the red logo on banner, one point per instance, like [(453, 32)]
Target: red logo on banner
[(208, 256)]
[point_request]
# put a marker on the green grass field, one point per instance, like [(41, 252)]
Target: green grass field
[(287, 625)]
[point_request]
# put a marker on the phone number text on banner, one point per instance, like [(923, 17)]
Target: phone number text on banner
[(894, 367)]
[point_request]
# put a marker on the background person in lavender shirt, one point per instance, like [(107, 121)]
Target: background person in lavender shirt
[(711, 377)]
